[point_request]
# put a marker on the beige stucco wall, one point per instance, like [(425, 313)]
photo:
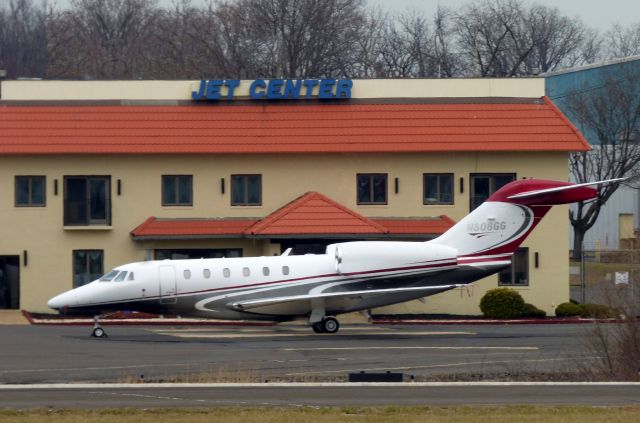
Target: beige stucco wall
[(40, 230), (181, 90)]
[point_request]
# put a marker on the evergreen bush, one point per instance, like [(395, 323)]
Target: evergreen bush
[(502, 303), (568, 310), (529, 310)]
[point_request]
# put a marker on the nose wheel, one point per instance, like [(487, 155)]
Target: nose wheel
[(326, 325), (97, 332)]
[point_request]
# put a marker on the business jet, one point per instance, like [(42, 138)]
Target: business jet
[(350, 276)]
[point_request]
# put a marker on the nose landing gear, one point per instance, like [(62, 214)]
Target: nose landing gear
[(326, 325), (98, 332)]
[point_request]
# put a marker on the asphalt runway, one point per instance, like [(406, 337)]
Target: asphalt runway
[(308, 395), (62, 354)]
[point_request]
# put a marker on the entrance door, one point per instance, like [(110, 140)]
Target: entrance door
[(9, 282), (168, 284)]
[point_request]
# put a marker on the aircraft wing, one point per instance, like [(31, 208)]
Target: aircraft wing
[(262, 302)]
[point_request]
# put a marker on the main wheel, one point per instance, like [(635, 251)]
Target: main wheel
[(330, 325), (318, 327), (98, 333)]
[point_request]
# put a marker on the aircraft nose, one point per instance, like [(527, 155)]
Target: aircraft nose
[(60, 301), (55, 303)]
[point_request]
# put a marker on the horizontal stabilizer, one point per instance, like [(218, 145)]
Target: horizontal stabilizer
[(540, 192), (250, 304)]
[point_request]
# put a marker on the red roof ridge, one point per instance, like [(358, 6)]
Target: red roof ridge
[(141, 227), (566, 120), (292, 206)]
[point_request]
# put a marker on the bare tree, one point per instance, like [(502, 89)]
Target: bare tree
[(446, 56), (103, 40), (23, 38), (504, 38), (623, 41), (609, 114), (301, 38), (555, 39)]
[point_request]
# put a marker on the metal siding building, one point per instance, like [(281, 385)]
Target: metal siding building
[(605, 234)]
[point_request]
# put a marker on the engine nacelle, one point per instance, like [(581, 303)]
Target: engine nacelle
[(359, 256)]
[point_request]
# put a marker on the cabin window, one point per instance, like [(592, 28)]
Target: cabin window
[(285, 270), (206, 273), (187, 274), (246, 271), (109, 276), (483, 185), (87, 266), (226, 272), (372, 188), (177, 190), (131, 278), (121, 277), (518, 273), (30, 191), (265, 271), (438, 188), (246, 190), (87, 200)]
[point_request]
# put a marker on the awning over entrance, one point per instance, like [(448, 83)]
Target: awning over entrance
[(312, 215)]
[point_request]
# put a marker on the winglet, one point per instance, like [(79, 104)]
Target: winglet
[(539, 192)]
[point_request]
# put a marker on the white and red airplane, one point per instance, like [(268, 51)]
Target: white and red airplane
[(350, 276)]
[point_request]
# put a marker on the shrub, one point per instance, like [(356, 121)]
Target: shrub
[(568, 309), (596, 311), (502, 303), (529, 310)]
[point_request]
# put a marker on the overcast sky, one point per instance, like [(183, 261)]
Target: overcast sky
[(596, 13)]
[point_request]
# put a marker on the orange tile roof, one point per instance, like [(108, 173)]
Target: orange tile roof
[(192, 228), (311, 214), (314, 213), (469, 125), (436, 225)]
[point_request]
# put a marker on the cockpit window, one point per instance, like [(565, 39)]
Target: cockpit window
[(130, 276), (121, 277), (109, 276)]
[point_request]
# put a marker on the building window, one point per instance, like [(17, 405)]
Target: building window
[(246, 190), (87, 266), (438, 188), (87, 200), (30, 191), (518, 273), (485, 184), (372, 188), (196, 253), (177, 190)]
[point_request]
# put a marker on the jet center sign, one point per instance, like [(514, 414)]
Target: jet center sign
[(274, 89)]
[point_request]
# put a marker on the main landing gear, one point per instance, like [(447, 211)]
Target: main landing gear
[(98, 332), (326, 325)]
